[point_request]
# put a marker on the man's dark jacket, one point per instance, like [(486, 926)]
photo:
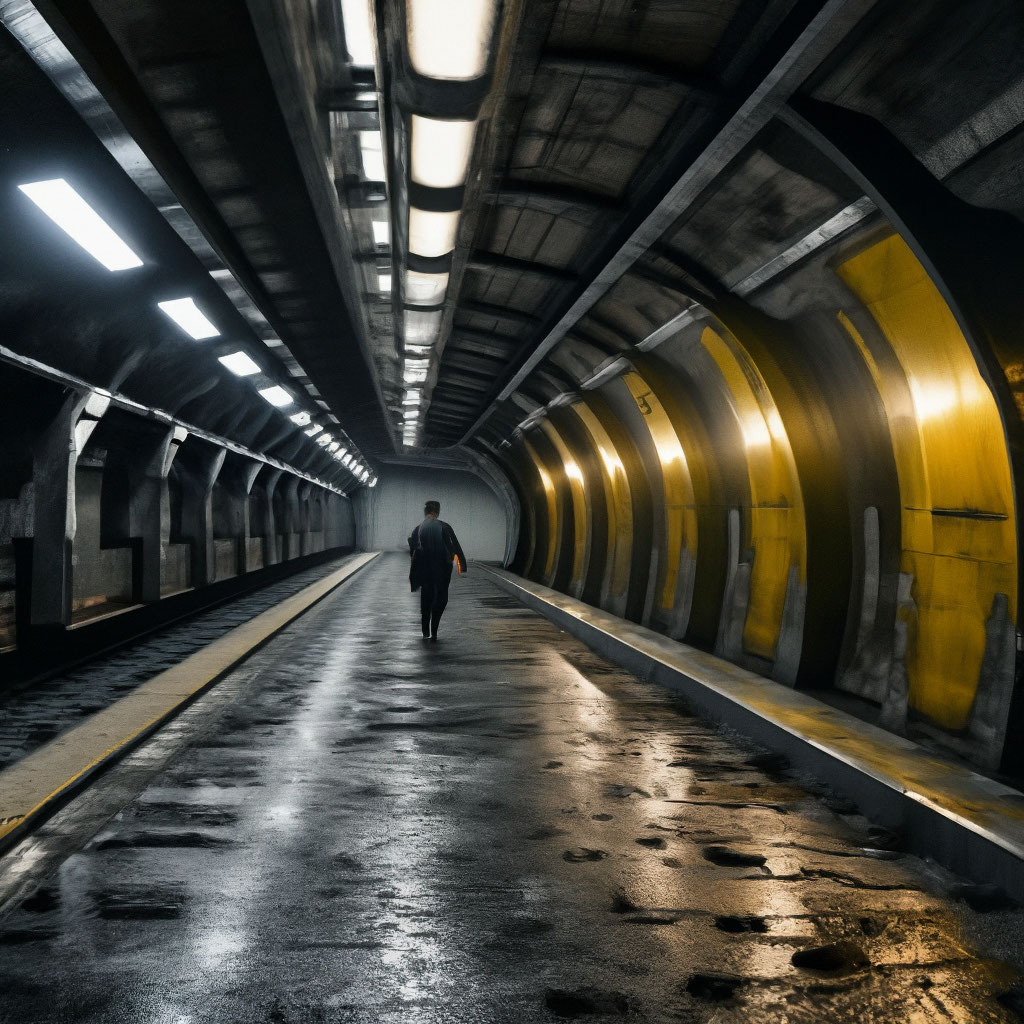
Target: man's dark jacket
[(432, 545)]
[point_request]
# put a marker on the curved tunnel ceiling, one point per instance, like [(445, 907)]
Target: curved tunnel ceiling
[(727, 293)]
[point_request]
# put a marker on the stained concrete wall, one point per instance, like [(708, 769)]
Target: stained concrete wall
[(386, 514)]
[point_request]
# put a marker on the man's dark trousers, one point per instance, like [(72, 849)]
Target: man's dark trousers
[(434, 600)]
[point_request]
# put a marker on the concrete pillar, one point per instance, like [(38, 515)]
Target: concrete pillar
[(238, 476), (303, 521), (201, 464), (291, 528), (148, 511), (268, 481), (55, 458)]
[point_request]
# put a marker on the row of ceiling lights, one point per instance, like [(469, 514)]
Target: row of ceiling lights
[(70, 212), (447, 41)]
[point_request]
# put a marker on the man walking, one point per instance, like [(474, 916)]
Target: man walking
[(433, 545)]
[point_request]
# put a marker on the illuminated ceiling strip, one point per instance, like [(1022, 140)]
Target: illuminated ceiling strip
[(425, 289), (432, 233), (241, 365), (190, 318), (440, 151), (74, 216), (277, 396), (358, 32), (450, 39)]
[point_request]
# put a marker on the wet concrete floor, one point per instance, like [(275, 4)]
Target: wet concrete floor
[(500, 827)]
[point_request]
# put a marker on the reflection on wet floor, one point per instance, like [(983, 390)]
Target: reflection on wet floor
[(501, 827), (31, 717)]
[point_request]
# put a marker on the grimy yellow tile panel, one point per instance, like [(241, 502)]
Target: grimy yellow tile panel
[(578, 500), (552, 526), (777, 528), (680, 503), (617, 500), (958, 525)]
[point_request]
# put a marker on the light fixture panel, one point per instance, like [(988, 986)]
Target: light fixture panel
[(440, 151), (432, 233), (358, 31), (425, 289), (422, 327), (450, 39), (190, 318), (381, 232), (277, 396), (372, 154), (240, 364), (73, 215)]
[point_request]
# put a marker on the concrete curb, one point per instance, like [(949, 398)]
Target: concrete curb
[(965, 821), (37, 785)]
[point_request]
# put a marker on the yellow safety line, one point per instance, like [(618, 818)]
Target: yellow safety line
[(212, 662)]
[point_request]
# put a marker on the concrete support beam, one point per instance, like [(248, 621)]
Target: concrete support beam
[(268, 482), (291, 530), (303, 519), (238, 477), (55, 459), (148, 508), (200, 465)]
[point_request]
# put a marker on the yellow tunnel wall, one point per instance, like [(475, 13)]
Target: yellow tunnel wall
[(729, 436)]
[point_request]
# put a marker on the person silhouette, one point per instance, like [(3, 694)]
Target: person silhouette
[(433, 547)]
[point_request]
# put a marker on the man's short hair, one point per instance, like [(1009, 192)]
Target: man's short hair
[(432, 508)]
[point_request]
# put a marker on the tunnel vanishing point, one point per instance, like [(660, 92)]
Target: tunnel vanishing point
[(705, 324)]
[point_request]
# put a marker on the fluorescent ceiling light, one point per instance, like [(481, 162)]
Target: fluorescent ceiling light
[(384, 282), (187, 315), (365, 475), (450, 38), (425, 289), (430, 233), (412, 397), (70, 212), (313, 430), (342, 453), (324, 439), (421, 327), (240, 365), (440, 151), (333, 446), (301, 418), (277, 396), (358, 31), (373, 156), (373, 482), (381, 234), (346, 460)]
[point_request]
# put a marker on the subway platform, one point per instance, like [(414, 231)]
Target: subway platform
[(355, 825)]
